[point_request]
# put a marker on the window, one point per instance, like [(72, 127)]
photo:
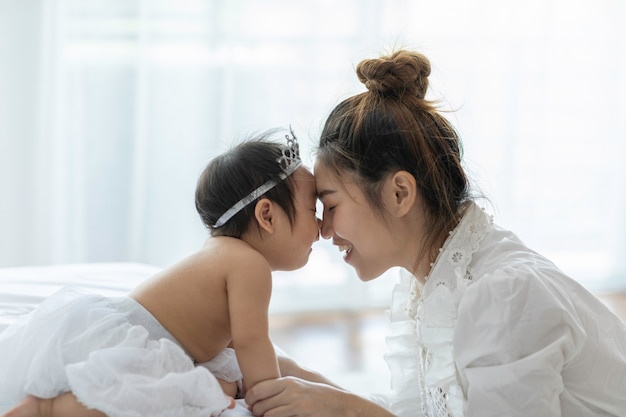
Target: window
[(110, 110)]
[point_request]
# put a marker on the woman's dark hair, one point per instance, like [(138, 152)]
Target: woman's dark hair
[(393, 127), (233, 175)]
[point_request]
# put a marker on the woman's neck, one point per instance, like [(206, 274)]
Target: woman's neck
[(427, 254)]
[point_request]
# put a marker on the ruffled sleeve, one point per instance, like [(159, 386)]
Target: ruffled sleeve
[(513, 337)]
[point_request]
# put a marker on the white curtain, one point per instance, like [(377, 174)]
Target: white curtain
[(109, 110)]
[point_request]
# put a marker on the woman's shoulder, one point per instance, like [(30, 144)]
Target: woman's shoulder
[(504, 252), (513, 281)]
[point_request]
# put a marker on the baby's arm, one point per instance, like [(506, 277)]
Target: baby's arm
[(249, 289)]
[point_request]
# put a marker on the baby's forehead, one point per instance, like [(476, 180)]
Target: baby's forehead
[(305, 180), (303, 174)]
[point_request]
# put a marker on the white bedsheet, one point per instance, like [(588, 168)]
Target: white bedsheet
[(23, 288)]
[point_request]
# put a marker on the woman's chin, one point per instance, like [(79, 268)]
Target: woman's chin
[(365, 276)]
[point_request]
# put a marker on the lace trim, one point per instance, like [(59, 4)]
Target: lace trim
[(422, 320)]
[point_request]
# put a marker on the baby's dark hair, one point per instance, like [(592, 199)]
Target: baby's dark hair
[(233, 175), (393, 127)]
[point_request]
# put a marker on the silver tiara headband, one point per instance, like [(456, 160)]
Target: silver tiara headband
[(289, 161)]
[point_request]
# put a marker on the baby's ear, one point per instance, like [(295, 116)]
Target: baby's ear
[(264, 214), (400, 193)]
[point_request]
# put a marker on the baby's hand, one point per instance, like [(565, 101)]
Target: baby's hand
[(230, 407)]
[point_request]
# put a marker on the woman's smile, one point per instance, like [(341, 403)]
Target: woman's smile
[(346, 249)]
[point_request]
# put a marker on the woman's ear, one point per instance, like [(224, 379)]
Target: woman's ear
[(264, 214), (400, 193)]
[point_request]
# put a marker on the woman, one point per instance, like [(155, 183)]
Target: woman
[(481, 325)]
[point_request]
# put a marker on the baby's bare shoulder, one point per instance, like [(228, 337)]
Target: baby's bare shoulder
[(229, 249), (238, 258), (213, 264), (228, 255)]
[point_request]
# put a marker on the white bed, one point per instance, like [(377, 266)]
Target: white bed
[(23, 288)]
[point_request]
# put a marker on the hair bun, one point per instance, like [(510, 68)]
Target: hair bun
[(403, 72)]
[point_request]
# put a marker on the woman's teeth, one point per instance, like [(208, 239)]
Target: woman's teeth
[(345, 248)]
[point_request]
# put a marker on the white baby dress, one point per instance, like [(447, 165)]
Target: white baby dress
[(111, 353)]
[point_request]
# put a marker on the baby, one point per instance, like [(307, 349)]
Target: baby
[(191, 337)]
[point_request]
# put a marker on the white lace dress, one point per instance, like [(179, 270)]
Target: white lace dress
[(497, 330)]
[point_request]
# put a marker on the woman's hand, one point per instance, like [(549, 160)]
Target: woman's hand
[(289, 367), (293, 397), (290, 396)]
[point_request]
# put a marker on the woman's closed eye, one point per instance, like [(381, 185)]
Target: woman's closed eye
[(331, 204)]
